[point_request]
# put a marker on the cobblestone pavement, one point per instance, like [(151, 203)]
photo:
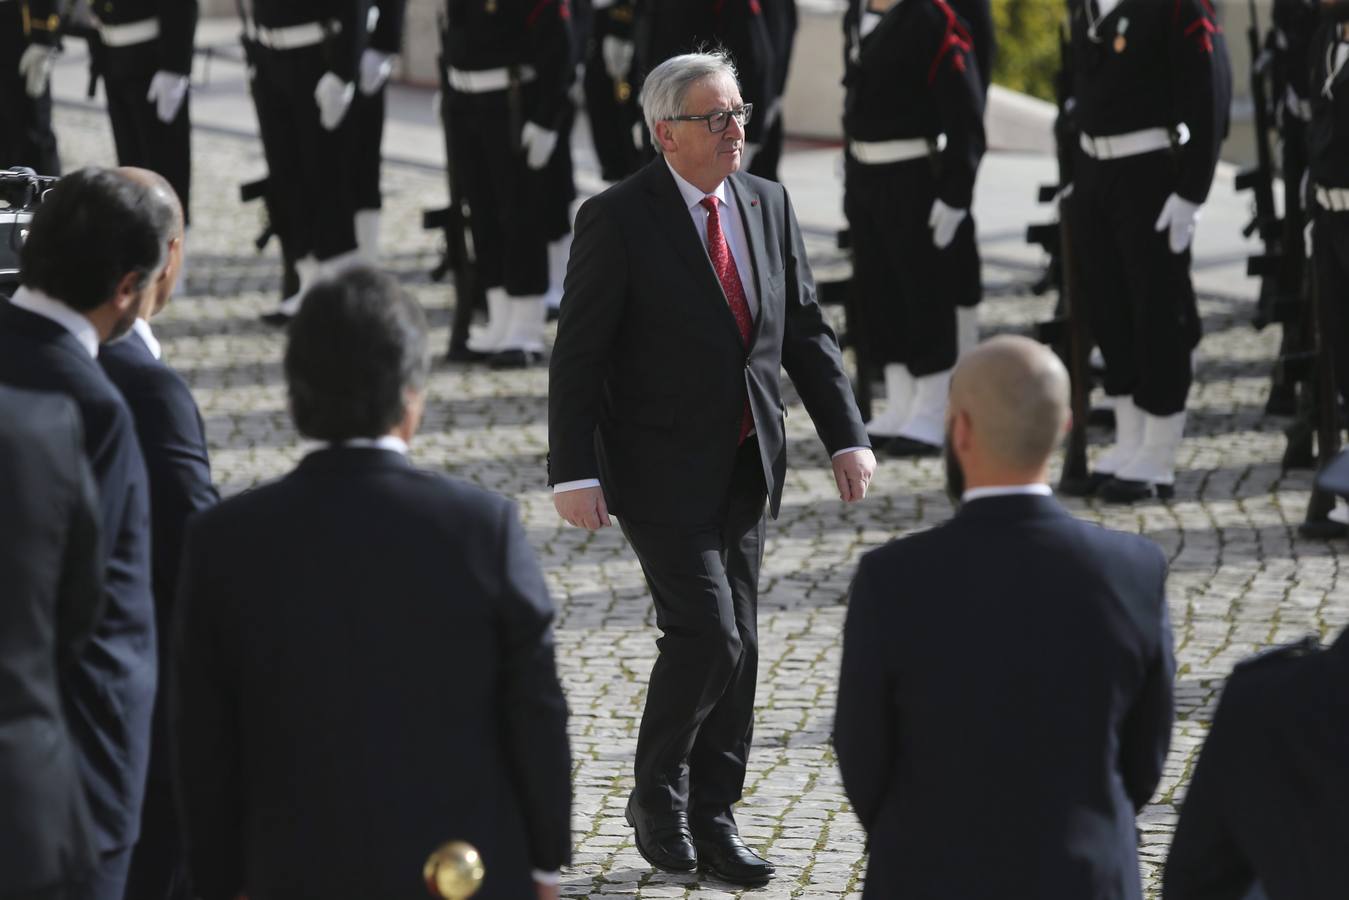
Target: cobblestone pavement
[(1241, 577)]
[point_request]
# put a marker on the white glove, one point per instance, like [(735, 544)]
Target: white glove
[(944, 220), (617, 53), (376, 67), (167, 92), (538, 143), (35, 67), (333, 96), (1308, 233), (1179, 215)]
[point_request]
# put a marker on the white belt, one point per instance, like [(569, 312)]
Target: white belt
[(1117, 146), (294, 37), (1333, 199), (874, 153), (482, 81), (129, 33)]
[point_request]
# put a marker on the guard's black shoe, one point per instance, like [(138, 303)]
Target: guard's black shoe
[(514, 359), (664, 841), (1084, 486), (909, 448), (276, 318), (725, 857), (461, 353), (1125, 490)]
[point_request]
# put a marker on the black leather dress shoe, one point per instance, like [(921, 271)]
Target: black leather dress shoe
[(908, 447), (514, 359), (1126, 490), (1085, 486), (663, 841), (726, 857)]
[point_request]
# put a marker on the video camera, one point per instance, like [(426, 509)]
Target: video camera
[(21, 193)]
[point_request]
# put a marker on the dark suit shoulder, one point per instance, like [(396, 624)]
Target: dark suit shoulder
[(38, 418)]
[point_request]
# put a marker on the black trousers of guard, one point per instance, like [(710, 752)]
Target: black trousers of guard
[(367, 125), (1137, 293), (560, 189), (909, 289), (308, 166), (26, 136), (506, 198), (1330, 259), (611, 121), (765, 162), (694, 740), (141, 139)]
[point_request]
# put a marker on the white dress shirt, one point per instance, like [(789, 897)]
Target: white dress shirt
[(40, 304), (142, 328), (1008, 490), (386, 442)]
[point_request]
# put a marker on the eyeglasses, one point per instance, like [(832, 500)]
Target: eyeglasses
[(719, 121)]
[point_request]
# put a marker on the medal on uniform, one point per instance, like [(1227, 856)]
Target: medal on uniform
[(491, 7), (1120, 42)]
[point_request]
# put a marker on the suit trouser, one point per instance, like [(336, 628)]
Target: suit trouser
[(141, 138), (158, 869), (693, 745), (1137, 292), (307, 165), (26, 136), (909, 289), (108, 881), (367, 115)]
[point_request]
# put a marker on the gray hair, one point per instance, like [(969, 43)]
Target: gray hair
[(667, 86)]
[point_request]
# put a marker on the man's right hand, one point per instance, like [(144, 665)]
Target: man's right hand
[(584, 508)]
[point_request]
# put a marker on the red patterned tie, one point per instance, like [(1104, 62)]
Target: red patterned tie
[(720, 252)]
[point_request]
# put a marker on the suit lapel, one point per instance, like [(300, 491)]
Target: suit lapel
[(676, 222), (751, 213)]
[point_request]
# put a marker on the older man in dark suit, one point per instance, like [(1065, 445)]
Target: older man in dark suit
[(52, 596), (364, 661), (173, 441), (687, 292), (1005, 706), (89, 267)]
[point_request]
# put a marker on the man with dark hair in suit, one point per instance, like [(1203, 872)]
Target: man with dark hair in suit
[(665, 407), (1267, 810), (173, 441), (90, 266), (52, 596), (364, 660), (1005, 707)]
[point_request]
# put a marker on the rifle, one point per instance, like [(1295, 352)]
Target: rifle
[(1259, 180), (1317, 523), (454, 220)]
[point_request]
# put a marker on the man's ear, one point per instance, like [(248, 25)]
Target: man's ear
[(962, 429), (129, 292), (664, 132)]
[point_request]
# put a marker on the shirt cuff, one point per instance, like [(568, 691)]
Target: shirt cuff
[(549, 878), (565, 486), (839, 453)]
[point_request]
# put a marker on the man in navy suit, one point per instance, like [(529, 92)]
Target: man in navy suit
[(173, 441), (1005, 705), (89, 267)]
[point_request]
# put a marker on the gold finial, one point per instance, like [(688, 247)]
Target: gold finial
[(454, 871)]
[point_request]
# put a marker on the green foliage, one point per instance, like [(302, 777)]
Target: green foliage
[(1028, 44)]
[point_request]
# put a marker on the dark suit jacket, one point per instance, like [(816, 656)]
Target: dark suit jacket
[(1269, 799), (50, 598), (112, 688), (649, 373), (365, 670), (1005, 705)]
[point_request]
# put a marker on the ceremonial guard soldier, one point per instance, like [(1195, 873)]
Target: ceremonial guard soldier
[(145, 57), (510, 67), (306, 57), (384, 24), (560, 177), (1151, 87), (913, 117), (29, 40), (780, 18), (611, 103)]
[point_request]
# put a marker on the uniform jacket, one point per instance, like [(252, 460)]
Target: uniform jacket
[(111, 689), (1004, 707), (1153, 64), (915, 76), (388, 33), (50, 600), (365, 671), (177, 26), (43, 21), (1268, 802), (649, 375), (1328, 133)]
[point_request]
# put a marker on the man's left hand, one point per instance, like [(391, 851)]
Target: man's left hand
[(852, 474)]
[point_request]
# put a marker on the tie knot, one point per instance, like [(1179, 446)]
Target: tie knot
[(709, 204)]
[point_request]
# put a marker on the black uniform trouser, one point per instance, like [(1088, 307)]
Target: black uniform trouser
[(560, 188), (26, 136), (308, 167), (909, 290), (367, 126), (505, 197), (1137, 293), (765, 162), (141, 138), (693, 745), (1330, 260), (611, 121)]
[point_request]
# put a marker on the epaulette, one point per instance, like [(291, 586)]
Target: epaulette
[(1306, 646)]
